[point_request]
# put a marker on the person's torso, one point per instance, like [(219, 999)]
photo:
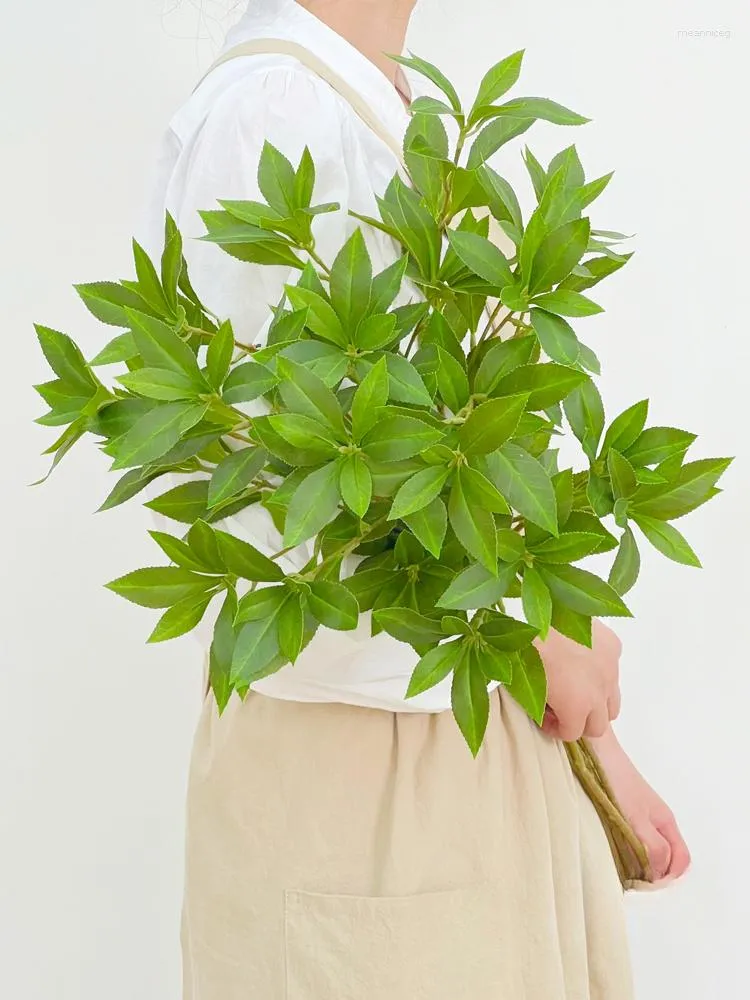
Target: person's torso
[(354, 666)]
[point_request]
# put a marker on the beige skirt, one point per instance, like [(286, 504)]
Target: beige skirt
[(343, 853)]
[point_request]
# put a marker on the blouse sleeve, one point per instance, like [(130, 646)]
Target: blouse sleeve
[(291, 108)]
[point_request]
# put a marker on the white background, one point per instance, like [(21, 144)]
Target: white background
[(95, 726)]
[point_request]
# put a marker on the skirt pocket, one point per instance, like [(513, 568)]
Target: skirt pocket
[(441, 945)]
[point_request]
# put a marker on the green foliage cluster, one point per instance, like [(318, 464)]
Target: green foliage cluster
[(420, 436)]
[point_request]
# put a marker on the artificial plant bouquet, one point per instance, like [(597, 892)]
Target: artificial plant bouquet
[(419, 437)]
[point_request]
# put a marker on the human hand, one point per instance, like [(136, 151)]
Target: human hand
[(583, 691), (650, 817)]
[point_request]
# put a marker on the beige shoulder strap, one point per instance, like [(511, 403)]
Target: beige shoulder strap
[(284, 46)]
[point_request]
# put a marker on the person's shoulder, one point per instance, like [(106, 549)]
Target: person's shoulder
[(271, 94)]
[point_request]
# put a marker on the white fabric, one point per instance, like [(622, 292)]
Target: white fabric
[(210, 150)]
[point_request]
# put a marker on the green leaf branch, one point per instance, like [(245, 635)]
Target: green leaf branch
[(409, 418)]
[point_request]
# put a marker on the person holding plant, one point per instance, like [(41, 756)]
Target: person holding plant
[(342, 843)]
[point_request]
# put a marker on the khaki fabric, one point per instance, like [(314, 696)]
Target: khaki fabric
[(337, 852)]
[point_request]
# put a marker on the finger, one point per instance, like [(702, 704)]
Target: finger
[(680, 855), (597, 722), (658, 848), (571, 727)]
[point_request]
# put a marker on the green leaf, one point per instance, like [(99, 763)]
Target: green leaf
[(333, 605), (556, 337), (625, 428), (481, 257), (470, 701), (255, 650), (576, 626), (529, 683), (474, 526), (627, 564), (429, 525), (582, 591), (245, 560), (537, 601), (434, 667), (502, 357), (409, 626), (247, 242), (525, 484), (491, 424), (304, 432), (558, 254), (510, 545), (563, 484), (542, 108), (569, 546), (565, 302), (183, 503), (155, 433), (235, 473), (453, 382), (247, 381), (430, 106), (203, 544), (536, 172), (219, 354), (506, 633), (106, 301), (404, 210), (546, 384), (260, 603), (406, 385), (304, 181), (432, 73), (120, 348), (387, 284), (667, 540), (149, 285), (621, 473), (480, 490), (477, 587), (179, 552), (494, 136), (585, 412), (656, 444), (370, 395), (502, 199), (355, 484), (160, 383), (321, 317), (597, 268), (376, 331), (497, 81), (395, 437), (291, 627), (418, 491), (180, 618), (222, 650), (160, 586), (66, 359), (276, 180), (350, 280), (304, 392), (161, 347), (314, 503), (495, 664), (692, 486)]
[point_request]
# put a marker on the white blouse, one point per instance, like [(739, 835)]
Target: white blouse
[(210, 150)]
